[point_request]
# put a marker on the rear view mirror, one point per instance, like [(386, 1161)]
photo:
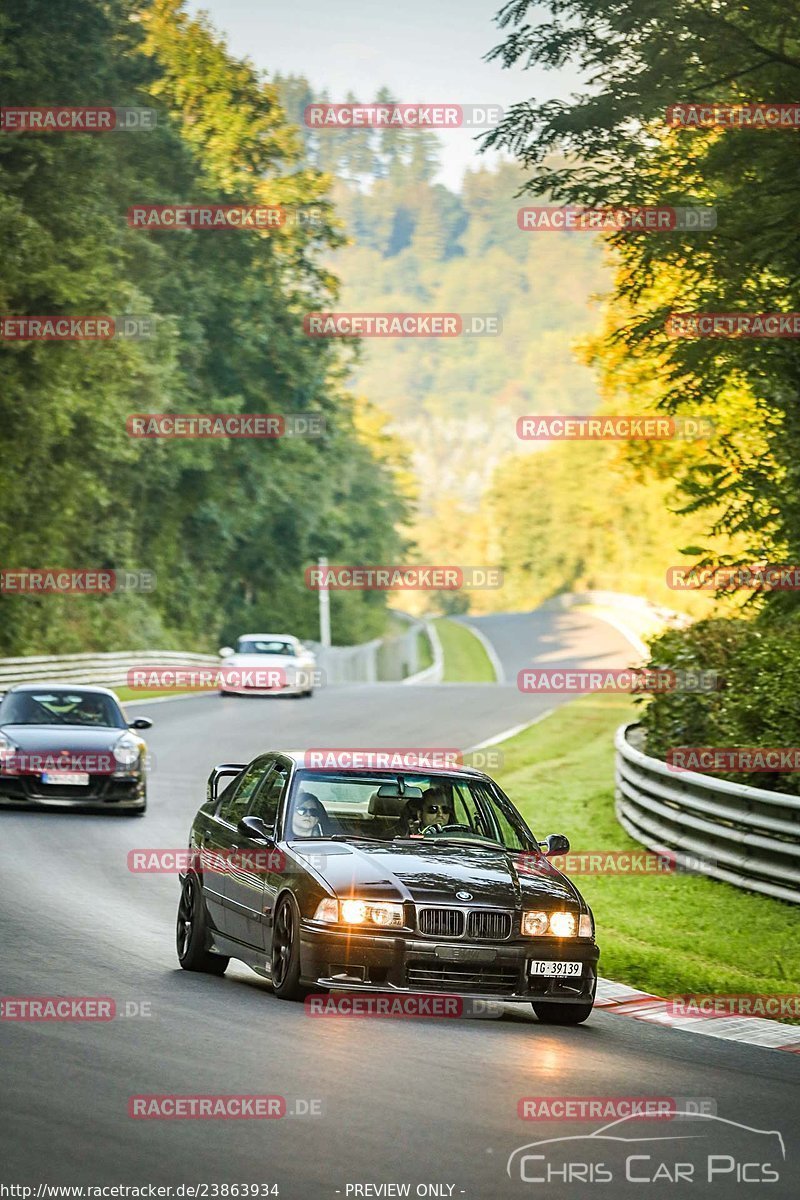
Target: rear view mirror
[(226, 651), (140, 723), (391, 791)]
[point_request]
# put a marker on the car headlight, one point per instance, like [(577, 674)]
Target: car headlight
[(7, 750), (385, 914), (555, 924), (586, 926), (127, 750)]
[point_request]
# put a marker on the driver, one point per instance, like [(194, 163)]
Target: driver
[(437, 807), (308, 816)]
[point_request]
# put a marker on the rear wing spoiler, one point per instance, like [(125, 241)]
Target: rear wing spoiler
[(222, 771)]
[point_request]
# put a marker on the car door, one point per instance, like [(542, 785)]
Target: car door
[(253, 883), (222, 839)]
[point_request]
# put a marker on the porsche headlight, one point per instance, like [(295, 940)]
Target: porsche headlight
[(554, 924), (383, 913), (7, 751), (127, 751)]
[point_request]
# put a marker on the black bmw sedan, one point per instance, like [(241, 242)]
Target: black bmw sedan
[(70, 746), (382, 881)]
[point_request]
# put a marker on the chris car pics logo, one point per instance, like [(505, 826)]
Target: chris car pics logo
[(695, 1147)]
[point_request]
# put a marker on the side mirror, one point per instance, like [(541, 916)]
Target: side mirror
[(254, 827), (226, 651), (140, 723), (556, 843)]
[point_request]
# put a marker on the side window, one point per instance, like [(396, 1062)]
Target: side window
[(266, 802), (235, 802), (510, 836), (468, 812)]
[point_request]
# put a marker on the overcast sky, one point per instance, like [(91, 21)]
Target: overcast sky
[(422, 50)]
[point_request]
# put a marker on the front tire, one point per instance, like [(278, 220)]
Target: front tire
[(550, 1012), (191, 932), (285, 954)]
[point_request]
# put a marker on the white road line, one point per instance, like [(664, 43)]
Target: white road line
[(509, 733)]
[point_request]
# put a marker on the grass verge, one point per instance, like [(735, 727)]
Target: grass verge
[(129, 693), (667, 934), (465, 660)]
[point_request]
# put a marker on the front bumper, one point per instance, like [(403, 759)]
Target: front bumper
[(103, 793), (408, 963)]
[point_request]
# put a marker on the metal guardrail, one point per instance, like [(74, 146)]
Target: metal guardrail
[(108, 669), (743, 835), (395, 657)]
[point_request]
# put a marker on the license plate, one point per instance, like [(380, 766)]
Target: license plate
[(68, 778), (559, 967)]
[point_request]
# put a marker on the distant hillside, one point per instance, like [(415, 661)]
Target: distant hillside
[(415, 245)]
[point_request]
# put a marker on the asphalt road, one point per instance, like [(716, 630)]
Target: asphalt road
[(425, 1103)]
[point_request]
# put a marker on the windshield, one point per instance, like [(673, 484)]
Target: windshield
[(265, 646), (52, 707), (388, 807)]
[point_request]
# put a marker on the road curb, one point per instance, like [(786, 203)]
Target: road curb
[(625, 1001)]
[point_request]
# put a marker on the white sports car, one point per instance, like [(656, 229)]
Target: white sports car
[(268, 664)]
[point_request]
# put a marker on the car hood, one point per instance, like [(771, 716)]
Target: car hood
[(71, 738), (401, 871)]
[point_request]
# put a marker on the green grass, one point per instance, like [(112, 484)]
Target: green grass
[(668, 933), (129, 693), (465, 660), (424, 651)]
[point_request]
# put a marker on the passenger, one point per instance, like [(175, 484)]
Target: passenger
[(409, 821), (308, 816)]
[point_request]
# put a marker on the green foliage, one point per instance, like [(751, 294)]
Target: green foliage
[(578, 516), (757, 704), (616, 149), (228, 526), (669, 933)]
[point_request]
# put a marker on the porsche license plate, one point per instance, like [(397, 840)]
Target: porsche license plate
[(68, 778), (560, 967)]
